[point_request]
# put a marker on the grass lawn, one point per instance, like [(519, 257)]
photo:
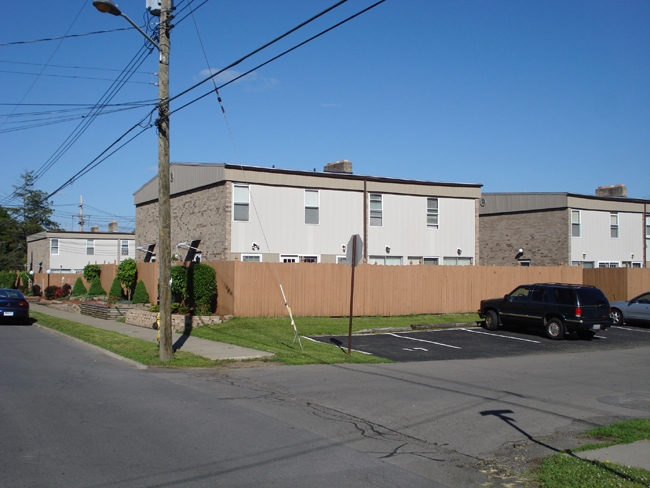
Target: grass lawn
[(564, 470), (276, 335), (265, 334)]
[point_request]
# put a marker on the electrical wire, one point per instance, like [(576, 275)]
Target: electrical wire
[(63, 66), (66, 36), (52, 75)]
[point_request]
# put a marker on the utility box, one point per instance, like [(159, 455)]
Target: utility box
[(153, 6)]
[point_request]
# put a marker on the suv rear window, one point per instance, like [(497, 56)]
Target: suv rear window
[(591, 296), (564, 296)]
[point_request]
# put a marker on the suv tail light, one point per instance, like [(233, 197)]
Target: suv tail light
[(578, 312)]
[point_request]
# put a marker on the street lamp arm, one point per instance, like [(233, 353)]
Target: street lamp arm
[(109, 7)]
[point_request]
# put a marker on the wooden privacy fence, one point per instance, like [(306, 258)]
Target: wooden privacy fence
[(253, 289)]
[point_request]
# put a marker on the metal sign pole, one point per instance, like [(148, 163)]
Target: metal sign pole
[(354, 265)]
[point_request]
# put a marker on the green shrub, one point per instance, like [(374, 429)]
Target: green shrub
[(179, 283), (140, 294), (154, 308), (96, 289), (202, 288), (79, 288), (116, 290), (91, 271), (7, 279), (127, 272)]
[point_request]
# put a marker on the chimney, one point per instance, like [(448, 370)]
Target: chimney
[(343, 166), (612, 191), (94, 228), (112, 226)]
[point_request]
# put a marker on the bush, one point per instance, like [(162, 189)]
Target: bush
[(36, 290), (116, 290), (140, 294), (179, 283), (50, 292), (96, 289), (66, 289), (7, 279), (203, 289), (127, 271), (79, 288), (154, 308), (91, 271)]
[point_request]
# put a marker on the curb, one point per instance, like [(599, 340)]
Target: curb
[(130, 362)]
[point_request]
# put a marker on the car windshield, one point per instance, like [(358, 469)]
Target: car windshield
[(10, 294), (591, 296)]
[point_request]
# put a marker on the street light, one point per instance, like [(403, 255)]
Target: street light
[(164, 210)]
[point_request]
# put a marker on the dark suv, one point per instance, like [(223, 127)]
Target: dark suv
[(559, 308)]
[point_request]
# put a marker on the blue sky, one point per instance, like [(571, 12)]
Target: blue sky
[(517, 96)]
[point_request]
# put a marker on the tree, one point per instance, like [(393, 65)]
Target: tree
[(140, 294), (127, 271), (33, 214)]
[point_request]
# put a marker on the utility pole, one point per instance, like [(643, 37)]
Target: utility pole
[(164, 209)]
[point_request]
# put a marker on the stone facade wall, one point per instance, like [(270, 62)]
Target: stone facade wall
[(544, 237), (38, 252), (203, 214)]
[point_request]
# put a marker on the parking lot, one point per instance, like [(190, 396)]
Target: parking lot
[(476, 342)]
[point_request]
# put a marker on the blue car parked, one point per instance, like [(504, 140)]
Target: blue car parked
[(13, 306)]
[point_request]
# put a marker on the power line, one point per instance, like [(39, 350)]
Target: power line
[(66, 36), (72, 67), (70, 76)]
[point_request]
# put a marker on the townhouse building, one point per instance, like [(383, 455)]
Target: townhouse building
[(231, 212)]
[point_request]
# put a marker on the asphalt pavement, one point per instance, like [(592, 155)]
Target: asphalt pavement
[(185, 342)]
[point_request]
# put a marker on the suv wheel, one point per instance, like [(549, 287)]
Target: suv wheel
[(617, 316), (491, 320), (554, 329)]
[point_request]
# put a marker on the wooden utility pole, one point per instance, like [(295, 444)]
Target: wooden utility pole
[(164, 208)]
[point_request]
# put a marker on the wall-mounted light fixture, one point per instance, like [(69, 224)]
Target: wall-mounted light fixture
[(387, 249), (459, 251), (343, 247), (584, 255), (255, 246)]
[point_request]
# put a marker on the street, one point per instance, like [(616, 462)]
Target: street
[(74, 417)]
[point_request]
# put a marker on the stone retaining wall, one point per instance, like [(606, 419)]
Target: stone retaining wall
[(180, 323), (63, 306)]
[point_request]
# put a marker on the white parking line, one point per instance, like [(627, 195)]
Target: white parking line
[(422, 340), (502, 336), (626, 328)]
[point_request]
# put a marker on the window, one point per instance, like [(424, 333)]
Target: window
[(647, 232), (575, 223), (90, 247), (385, 260), (423, 260), (375, 210), (311, 207), (608, 264), (454, 261), (613, 225), (631, 264), (54, 246), (240, 204), (432, 213), (125, 248), (584, 264), (308, 259), (251, 258), (524, 262), (341, 260), (285, 258)]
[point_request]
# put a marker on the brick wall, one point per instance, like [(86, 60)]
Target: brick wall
[(204, 214), (544, 237)]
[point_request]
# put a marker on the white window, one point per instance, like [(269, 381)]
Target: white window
[(456, 261), (524, 262), (385, 260), (376, 209), (613, 225), (308, 259), (575, 223), (422, 260), (251, 258), (54, 246), (432, 213), (90, 247), (608, 264), (341, 260), (240, 205), (312, 211), (288, 258), (125, 248), (631, 264)]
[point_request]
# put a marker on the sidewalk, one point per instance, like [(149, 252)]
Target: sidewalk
[(201, 347), (635, 455)]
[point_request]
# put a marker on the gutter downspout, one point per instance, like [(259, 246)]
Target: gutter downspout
[(365, 221)]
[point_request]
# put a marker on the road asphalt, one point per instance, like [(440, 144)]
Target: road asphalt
[(201, 347), (636, 454)]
